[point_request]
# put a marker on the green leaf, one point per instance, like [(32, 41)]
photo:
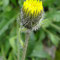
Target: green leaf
[(46, 23), (7, 19), (54, 38), (32, 42), (12, 42), (56, 27), (53, 16), (48, 2), (14, 2), (42, 35), (56, 16), (20, 2), (39, 52), (5, 3), (11, 56)]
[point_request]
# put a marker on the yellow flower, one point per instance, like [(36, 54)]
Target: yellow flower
[(33, 7), (32, 14)]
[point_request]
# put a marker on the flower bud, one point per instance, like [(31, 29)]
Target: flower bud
[(31, 14)]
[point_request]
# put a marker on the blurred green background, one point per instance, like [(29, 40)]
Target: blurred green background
[(44, 44)]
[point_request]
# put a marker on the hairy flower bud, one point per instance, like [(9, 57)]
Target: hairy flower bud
[(31, 14)]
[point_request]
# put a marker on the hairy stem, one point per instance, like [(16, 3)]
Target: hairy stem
[(18, 39), (25, 46)]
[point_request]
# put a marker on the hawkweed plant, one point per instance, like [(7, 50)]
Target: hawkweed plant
[(31, 16)]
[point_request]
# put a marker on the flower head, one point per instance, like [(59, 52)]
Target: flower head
[(31, 14), (32, 7)]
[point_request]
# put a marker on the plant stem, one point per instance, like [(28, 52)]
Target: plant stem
[(25, 46), (18, 39)]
